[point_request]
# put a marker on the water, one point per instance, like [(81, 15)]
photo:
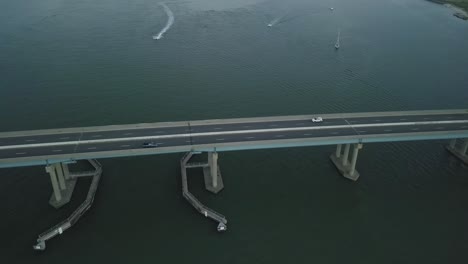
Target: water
[(80, 63)]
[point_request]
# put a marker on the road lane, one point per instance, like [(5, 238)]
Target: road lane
[(243, 133), (141, 132), (276, 134)]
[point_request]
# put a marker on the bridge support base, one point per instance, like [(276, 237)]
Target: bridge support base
[(201, 208), (212, 174), (346, 168), (61, 182), (460, 151)]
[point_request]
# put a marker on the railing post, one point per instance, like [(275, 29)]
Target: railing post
[(345, 155), (356, 149), (453, 142), (464, 147), (338, 151), (212, 174), (459, 152), (66, 171), (61, 179), (213, 161), (55, 186)]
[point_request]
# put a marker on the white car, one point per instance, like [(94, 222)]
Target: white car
[(317, 119)]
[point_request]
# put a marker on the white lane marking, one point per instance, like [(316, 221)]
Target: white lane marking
[(334, 133), (219, 139), (387, 130), (307, 134), (92, 148), (125, 146), (273, 125), (160, 132), (218, 128), (127, 134), (20, 153), (246, 126), (300, 124), (56, 150), (362, 131), (187, 141), (236, 132), (440, 127), (403, 119), (96, 136), (464, 127), (415, 129), (249, 137), (377, 120), (426, 118), (279, 136), (64, 138), (30, 140)]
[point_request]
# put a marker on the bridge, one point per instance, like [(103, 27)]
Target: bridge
[(58, 149)]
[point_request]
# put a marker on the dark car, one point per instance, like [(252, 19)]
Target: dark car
[(149, 145)]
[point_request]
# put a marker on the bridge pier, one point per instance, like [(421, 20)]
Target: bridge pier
[(201, 208), (212, 174), (347, 169), (62, 184), (459, 152)]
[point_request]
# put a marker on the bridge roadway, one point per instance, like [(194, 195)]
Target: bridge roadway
[(25, 148)]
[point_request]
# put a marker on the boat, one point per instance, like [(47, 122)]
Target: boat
[(337, 44), (331, 8)]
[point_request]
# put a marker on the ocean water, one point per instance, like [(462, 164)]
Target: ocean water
[(76, 63)]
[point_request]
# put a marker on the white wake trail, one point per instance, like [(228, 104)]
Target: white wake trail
[(170, 21), (275, 21)]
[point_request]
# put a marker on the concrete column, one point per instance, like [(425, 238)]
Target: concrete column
[(213, 161), (53, 178), (464, 147), (338, 150), (345, 155), (66, 171), (61, 179), (356, 149), (452, 143)]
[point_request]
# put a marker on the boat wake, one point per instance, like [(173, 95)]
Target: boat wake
[(170, 21), (275, 21)]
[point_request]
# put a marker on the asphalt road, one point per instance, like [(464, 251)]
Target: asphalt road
[(189, 134)]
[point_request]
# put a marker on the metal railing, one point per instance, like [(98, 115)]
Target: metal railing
[(200, 207), (78, 213)]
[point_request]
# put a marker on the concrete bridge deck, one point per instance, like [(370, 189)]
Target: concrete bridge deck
[(40, 147)]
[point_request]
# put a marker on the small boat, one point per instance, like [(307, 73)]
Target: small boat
[(331, 8), (337, 44), (270, 25)]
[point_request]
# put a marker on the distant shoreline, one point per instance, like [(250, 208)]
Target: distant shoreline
[(459, 6)]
